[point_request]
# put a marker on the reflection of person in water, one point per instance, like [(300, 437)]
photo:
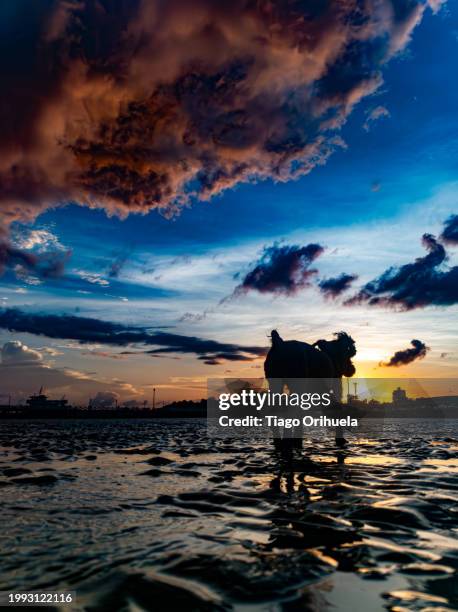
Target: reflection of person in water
[(290, 363)]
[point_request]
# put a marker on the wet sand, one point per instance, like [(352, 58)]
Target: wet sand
[(152, 515)]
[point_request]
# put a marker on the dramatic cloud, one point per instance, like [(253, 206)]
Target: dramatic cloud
[(85, 330), (281, 270), (14, 352), (137, 105), (400, 358), (415, 285), (29, 265), (450, 233), (374, 115), (333, 287), (38, 240)]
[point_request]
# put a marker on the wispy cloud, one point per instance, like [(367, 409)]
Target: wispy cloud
[(374, 115), (86, 330), (94, 278)]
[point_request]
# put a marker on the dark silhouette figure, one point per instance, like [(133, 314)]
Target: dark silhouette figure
[(323, 359), (290, 362)]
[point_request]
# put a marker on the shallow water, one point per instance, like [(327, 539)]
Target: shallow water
[(152, 515)]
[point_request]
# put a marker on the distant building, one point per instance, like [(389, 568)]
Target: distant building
[(41, 402), (400, 396)]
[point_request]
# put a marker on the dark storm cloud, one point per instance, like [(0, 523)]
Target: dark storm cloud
[(137, 105), (450, 233), (333, 287), (400, 358), (281, 270), (414, 285), (86, 330)]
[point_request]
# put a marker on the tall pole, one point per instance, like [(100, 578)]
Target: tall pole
[(154, 398)]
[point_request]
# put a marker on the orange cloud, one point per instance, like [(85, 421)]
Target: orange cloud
[(141, 105)]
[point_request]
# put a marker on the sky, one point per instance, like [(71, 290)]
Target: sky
[(175, 188)]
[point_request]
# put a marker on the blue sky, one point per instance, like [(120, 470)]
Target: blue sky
[(369, 205)]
